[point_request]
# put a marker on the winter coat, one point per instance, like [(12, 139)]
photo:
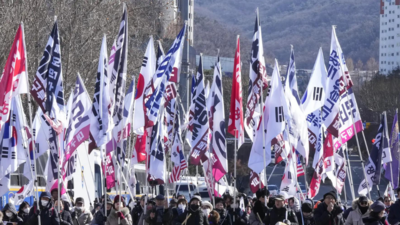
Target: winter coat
[(374, 221), (347, 212), (279, 215), (307, 220), (81, 218), (48, 215), (238, 217), (253, 219), (15, 218), (196, 217), (394, 215), (136, 213), (355, 217), (224, 217), (323, 217), (163, 217), (98, 218), (112, 219), (66, 218)]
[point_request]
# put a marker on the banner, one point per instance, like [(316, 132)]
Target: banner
[(156, 164), (393, 167), (200, 131), (255, 181), (236, 127), (14, 79)]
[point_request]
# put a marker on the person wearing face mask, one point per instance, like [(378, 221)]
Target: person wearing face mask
[(225, 218), (23, 212), (120, 212), (99, 218), (360, 211), (138, 210), (11, 215), (80, 215), (328, 212), (281, 213), (65, 216), (194, 215), (307, 212), (207, 208), (182, 203), (376, 215), (48, 215)]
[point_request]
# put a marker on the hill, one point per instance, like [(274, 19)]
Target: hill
[(306, 24)]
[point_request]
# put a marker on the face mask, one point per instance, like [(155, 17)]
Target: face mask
[(206, 212), (194, 207), (78, 208), (26, 210), (9, 214), (44, 202), (182, 206)]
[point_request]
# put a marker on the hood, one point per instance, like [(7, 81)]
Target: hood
[(354, 204), (10, 207)]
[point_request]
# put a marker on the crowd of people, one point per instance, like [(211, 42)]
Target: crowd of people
[(264, 209)]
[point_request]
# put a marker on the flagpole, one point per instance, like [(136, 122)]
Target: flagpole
[(397, 124), (305, 174), (234, 167), (147, 173), (270, 176), (84, 180), (344, 185), (30, 121), (350, 177)]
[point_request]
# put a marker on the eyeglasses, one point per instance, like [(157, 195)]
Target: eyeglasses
[(387, 200)]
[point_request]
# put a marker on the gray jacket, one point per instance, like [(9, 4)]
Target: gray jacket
[(81, 218), (356, 217), (112, 219)]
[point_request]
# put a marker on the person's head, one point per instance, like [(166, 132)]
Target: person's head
[(228, 200), (173, 203), (195, 203), (182, 204), (262, 194), (214, 217), (206, 207), (119, 202), (386, 201), (291, 202), (377, 209), (24, 207), (54, 194), (219, 204), (279, 201), (79, 203), (160, 200), (363, 202), (307, 208), (151, 204), (9, 214), (45, 198), (59, 203), (330, 197), (181, 197)]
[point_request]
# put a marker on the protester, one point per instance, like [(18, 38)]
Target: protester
[(376, 215), (271, 202), (257, 215), (65, 216), (119, 211), (182, 204), (100, 218), (294, 204), (213, 218), (225, 218), (48, 216), (138, 210), (328, 212), (194, 215), (280, 213), (207, 207), (388, 203), (394, 215), (158, 215), (361, 210), (80, 215), (306, 215), (54, 194), (11, 215), (23, 211), (96, 208)]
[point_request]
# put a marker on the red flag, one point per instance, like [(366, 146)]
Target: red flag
[(14, 78), (255, 182), (235, 126)]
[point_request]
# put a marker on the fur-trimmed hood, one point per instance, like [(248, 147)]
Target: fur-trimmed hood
[(354, 204)]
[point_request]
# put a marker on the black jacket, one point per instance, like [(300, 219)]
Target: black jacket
[(323, 217), (48, 216), (307, 221), (374, 221), (279, 215), (65, 218), (196, 217), (136, 213), (260, 209), (163, 217), (15, 218), (394, 218), (24, 216), (224, 217), (238, 217)]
